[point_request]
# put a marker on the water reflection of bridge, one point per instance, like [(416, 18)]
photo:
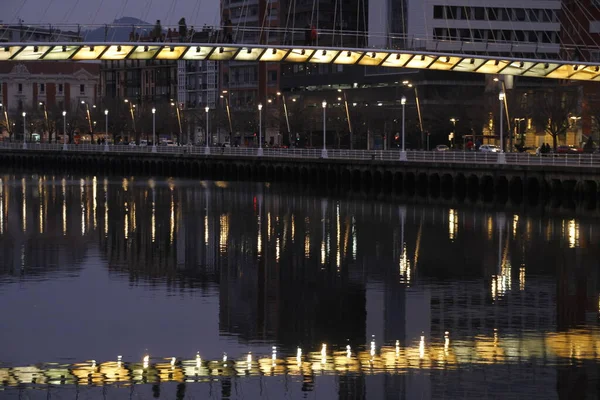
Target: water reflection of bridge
[(300, 270), (512, 356)]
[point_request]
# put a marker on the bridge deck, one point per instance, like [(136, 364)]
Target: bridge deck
[(415, 59)]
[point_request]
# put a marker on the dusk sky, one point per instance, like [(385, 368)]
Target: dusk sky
[(196, 12)]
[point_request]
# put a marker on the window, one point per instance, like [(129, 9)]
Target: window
[(20, 88), (82, 89), (42, 88), (438, 12), (60, 88), (479, 13)]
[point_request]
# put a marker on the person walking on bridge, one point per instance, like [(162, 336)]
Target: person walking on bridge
[(157, 31), (182, 30)]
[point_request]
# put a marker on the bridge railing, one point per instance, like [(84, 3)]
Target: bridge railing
[(292, 36), (454, 157)]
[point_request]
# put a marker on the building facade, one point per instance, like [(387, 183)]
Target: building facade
[(26, 86), (527, 28)]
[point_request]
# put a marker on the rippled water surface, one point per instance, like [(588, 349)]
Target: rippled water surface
[(175, 289)]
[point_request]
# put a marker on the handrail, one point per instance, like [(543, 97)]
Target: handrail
[(333, 38), (393, 156)]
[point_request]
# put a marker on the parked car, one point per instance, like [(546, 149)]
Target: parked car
[(489, 148), (441, 147), (564, 149), (143, 143)]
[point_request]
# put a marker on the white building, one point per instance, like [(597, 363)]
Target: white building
[(528, 28), (61, 86)]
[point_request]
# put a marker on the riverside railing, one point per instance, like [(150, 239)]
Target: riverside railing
[(452, 157)]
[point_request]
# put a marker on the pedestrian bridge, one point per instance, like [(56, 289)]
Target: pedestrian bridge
[(414, 59)]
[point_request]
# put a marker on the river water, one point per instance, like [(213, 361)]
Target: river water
[(172, 289)]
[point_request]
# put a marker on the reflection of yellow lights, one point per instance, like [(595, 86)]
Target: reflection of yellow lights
[(404, 265), (64, 206), (479, 350), (269, 226), (277, 249), (82, 204), (94, 194), (573, 234), (24, 205), (172, 220), (206, 230), (126, 227), (1, 207), (323, 255), (446, 342), (41, 197), (259, 238), (452, 224), (293, 228), (354, 241), (125, 184), (153, 222), (515, 224), (307, 245), (490, 228), (522, 278), (338, 255), (224, 233)]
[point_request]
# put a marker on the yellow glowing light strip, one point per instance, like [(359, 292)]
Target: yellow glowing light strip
[(552, 69)]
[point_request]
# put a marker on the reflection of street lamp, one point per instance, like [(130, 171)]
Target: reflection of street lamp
[(64, 113), (106, 130), (403, 152), (324, 151), (260, 150), (153, 130), (24, 129), (206, 149), (501, 157)]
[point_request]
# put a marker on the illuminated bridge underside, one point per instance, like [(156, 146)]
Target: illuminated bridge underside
[(553, 69)]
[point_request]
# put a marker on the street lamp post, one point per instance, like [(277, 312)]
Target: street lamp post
[(24, 129), (105, 130), (46, 120), (260, 149), (324, 151), (501, 156), (153, 130), (453, 139), (64, 130), (206, 148), (403, 152)]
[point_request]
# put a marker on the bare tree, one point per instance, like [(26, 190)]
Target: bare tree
[(551, 110)]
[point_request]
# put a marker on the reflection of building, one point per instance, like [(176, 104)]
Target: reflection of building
[(44, 231)]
